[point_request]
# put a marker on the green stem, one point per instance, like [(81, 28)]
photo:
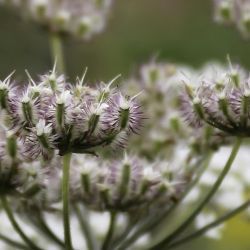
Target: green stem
[(48, 232), (57, 51), (16, 226), (131, 225), (208, 197), (85, 228), (13, 243), (65, 197), (110, 232), (206, 228)]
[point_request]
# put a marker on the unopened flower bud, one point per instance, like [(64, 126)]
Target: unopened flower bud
[(198, 107), (11, 145)]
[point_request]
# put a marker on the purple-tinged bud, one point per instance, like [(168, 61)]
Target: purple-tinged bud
[(5, 92), (123, 113), (11, 145), (60, 111), (3, 95), (27, 111), (53, 80), (198, 107)]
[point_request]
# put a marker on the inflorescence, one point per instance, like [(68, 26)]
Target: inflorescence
[(222, 101), (51, 115), (125, 184), (82, 18)]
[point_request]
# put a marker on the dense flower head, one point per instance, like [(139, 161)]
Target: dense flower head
[(235, 12), (82, 18), (123, 185), (52, 115), (222, 102), (165, 131)]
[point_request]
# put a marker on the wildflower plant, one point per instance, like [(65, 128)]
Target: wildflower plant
[(53, 134)]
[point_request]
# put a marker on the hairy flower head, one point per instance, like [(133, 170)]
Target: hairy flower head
[(54, 115), (221, 104)]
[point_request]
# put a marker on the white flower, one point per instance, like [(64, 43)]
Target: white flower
[(64, 97), (42, 128)]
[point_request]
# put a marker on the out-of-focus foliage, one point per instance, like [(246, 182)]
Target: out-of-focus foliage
[(136, 31)]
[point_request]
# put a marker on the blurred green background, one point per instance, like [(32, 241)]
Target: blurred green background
[(176, 30), (179, 31)]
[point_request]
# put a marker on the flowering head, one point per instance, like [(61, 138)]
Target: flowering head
[(123, 114), (117, 185), (221, 104), (54, 115)]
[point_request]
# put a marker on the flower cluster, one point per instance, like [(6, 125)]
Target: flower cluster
[(236, 12), (166, 131), (125, 184), (222, 101), (52, 114), (82, 18), (41, 119)]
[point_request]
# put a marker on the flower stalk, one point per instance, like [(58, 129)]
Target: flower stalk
[(88, 234), (165, 242), (110, 232), (211, 225), (57, 51), (15, 224), (150, 223), (65, 197)]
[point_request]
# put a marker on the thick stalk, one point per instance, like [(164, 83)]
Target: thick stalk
[(65, 197), (208, 197), (213, 224), (16, 226), (110, 233), (57, 51)]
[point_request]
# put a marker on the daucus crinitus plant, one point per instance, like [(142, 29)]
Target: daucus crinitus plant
[(71, 170)]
